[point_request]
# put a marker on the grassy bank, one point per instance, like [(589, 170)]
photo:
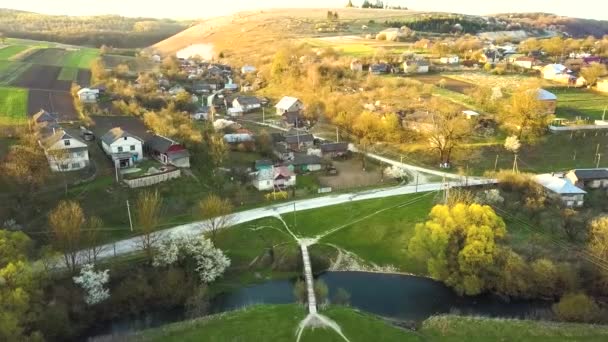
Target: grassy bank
[(458, 328), (277, 323)]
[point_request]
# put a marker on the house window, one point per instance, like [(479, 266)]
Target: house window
[(64, 166), (119, 149), (66, 143), (132, 147), (75, 165)]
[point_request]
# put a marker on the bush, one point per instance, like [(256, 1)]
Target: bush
[(577, 307), (342, 297), (321, 291), (299, 291)]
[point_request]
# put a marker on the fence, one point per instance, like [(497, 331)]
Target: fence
[(152, 179)]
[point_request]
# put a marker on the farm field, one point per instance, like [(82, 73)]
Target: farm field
[(356, 46), (11, 50), (13, 107), (112, 61), (68, 74), (81, 58), (10, 71)]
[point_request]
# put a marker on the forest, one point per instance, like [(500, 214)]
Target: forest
[(112, 30)]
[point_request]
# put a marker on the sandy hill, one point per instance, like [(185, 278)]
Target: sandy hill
[(255, 30)]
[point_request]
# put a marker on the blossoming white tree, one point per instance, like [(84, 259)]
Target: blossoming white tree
[(93, 283), (396, 172), (512, 144), (210, 262)]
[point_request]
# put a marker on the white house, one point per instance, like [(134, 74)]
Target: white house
[(271, 177), (235, 138), (247, 69), (470, 114), (449, 59), (556, 72), (416, 66), (288, 104), (246, 103), (156, 58), (124, 148), (65, 152), (176, 90), (525, 62), (88, 95), (563, 188)]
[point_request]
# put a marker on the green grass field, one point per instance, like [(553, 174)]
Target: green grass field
[(11, 50), (10, 71), (277, 323), (577, 102), (81, 58), (68, 74), (13, 107), (78, 58), (459, 328)]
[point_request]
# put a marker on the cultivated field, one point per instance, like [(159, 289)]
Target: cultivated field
[(11, 50), (449, 83), (134, 64), (13, 107), (10, 71), (356, 46)]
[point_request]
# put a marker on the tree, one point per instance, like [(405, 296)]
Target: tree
[(349, 4), (209, 262), (526, 114), (449, 128), (459, 245), (593, 72), (545, 277), (18, 286), (572, 223), (147, 217), (3, 36), (577, 307), (66, 222), (217, 150), (92, 239), (93, 283), (215, 213), (598, 245)]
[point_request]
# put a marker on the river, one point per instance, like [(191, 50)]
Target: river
[(401, 297)]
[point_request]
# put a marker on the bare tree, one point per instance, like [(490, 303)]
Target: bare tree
[(215, 213), (147, 218), (66, 222), (449, 127), (92, 239)]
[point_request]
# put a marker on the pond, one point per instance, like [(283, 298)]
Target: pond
[(401, 297)]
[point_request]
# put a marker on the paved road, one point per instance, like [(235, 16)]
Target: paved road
[(130, 245)]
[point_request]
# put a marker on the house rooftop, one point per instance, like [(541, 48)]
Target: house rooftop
[(333, 147), (59, 135), (561, 186), (263, 162), (544, 95), (591, 174), (160, 143), (117, 133), (294, 139), (286, 102), (44, 116), (247, 100), (304, 159)]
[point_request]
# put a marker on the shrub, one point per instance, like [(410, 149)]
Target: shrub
[(342, 297), (299, 291), (321, 291), (577, 307)]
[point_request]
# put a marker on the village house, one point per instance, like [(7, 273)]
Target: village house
[(419, 66), (589, 178), (379, 68), (563, 189), (241, 136), (202, 113), (156, 58), (289, 104), (248, 69), (548, 99), (334, 150), (88, 95), (176, 90), (470, 114), (246, 103), (557, 73), (268, 177), (300, 142), (282, 152), (293, 119), (525, 62), (303, 163), (452, 59), (168, 151), (356, 65), (64, 151), (124, 148)]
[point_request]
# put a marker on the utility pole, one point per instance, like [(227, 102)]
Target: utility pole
[(116, 171), (599, 156), (597, 149), (445, 191), (496, 163), (129, 212), (263, 115), (417, 181), (515, 167), (337, 135), (401, 159)]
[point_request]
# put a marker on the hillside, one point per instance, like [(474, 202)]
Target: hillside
[(111, 30), (575, 27)]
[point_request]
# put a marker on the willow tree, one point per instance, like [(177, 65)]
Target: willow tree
[(460, 246)]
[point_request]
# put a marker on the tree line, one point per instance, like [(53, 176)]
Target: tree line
[(95, 31)]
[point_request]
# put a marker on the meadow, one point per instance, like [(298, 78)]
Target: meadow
[(13, 105), (11, 50)]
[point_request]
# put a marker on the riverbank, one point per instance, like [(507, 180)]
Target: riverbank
[(279, 323)]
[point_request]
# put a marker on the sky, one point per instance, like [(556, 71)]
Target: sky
[(192, 9)]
